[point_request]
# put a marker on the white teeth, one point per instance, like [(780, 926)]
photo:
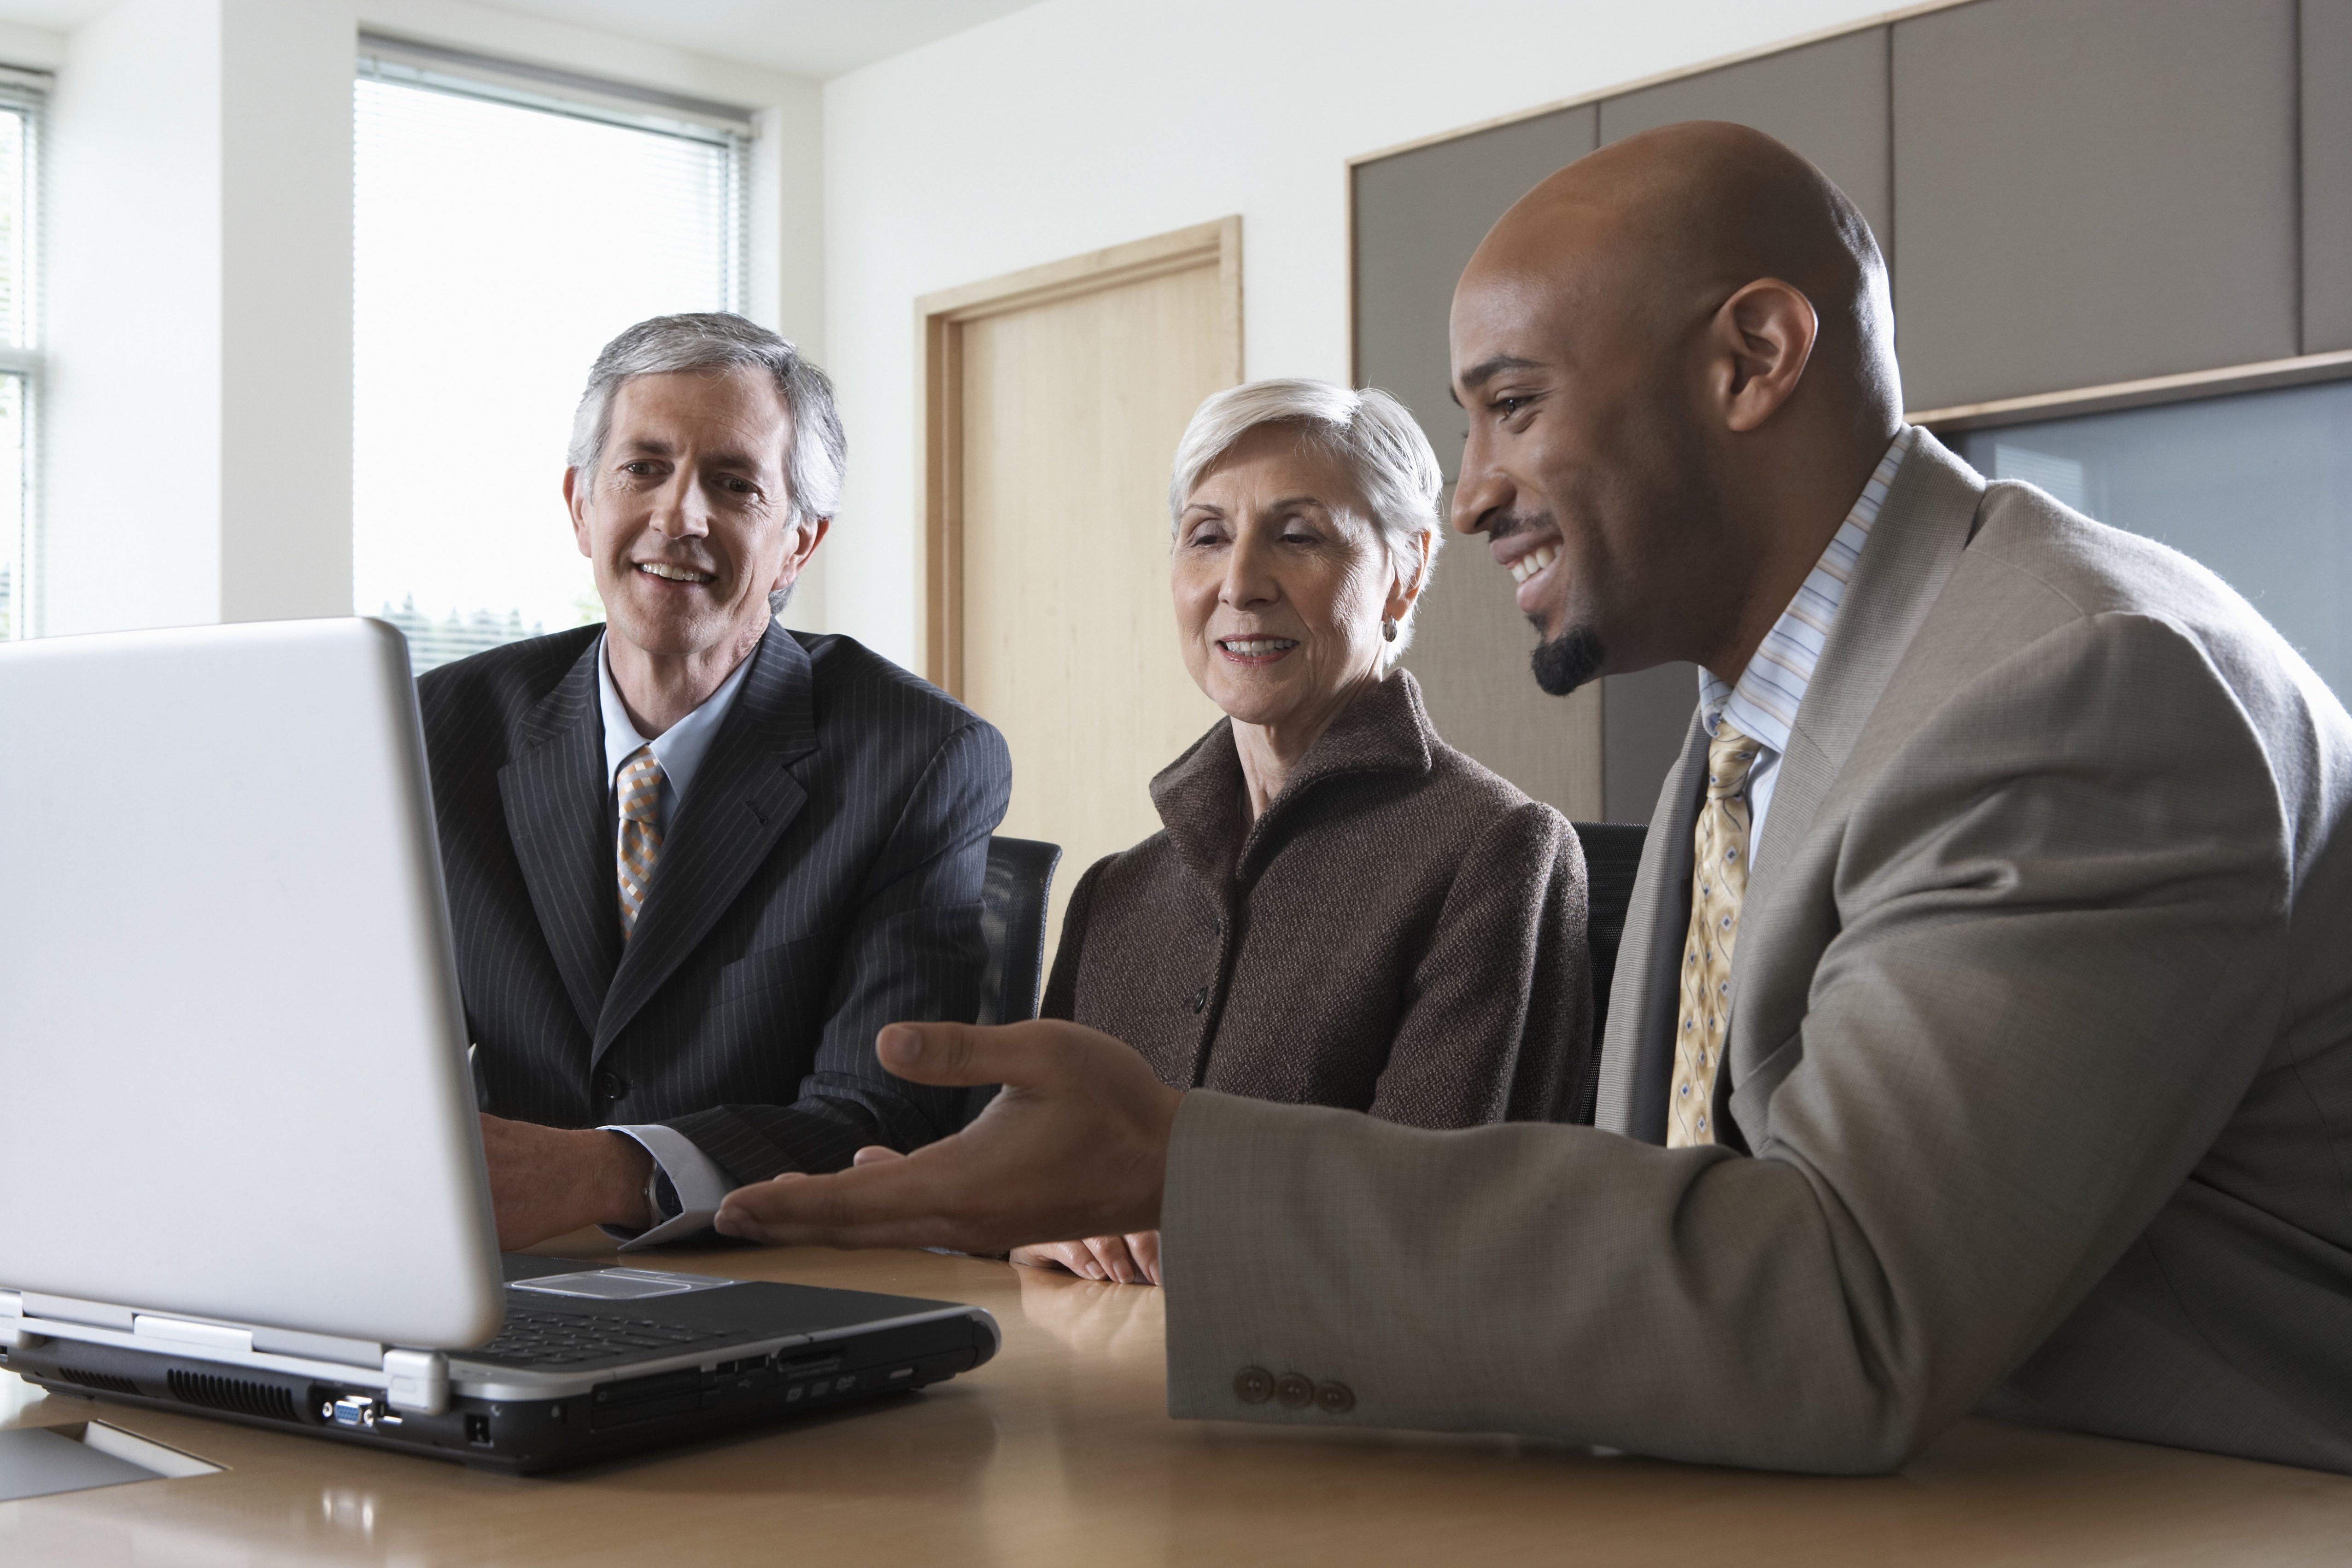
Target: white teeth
[(1535, 561), (1255, 646), (675, 573)]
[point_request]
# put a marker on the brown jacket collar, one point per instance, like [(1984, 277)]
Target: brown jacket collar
[(1200, 794)]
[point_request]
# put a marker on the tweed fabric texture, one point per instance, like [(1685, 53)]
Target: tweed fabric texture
[(2042, 1048), (1400, 933), (821, 878), (636, 791), (1718, 881)]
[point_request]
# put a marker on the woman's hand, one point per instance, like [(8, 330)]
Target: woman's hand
[(1131, 1259)]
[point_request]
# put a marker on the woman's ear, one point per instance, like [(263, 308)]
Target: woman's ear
[(1404, 593)]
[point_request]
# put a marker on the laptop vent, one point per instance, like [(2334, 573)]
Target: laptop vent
[(234, 1395), (103, 1380)]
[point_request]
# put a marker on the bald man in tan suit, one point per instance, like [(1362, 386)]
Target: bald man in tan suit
[(2016, 1075)]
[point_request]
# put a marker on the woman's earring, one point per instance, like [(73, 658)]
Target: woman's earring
[(1388, 628)]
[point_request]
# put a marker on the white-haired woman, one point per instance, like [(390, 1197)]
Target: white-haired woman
[(1341, 908)]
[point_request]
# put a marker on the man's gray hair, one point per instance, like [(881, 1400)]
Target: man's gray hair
[(1373, 438), (723, 341)]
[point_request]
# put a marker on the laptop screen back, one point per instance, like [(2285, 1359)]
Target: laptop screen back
[(233, 1080)]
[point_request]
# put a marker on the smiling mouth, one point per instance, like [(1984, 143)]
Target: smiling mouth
[(670, 573), (1256, 650), (1533, 562)]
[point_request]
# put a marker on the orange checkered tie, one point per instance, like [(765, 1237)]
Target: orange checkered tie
[(639, 788), (1718, 881)]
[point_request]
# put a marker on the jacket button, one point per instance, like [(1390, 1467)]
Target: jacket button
[(1294, 1392), (1253, 1385), (1200, 998), (1336, 1398), (611, 1084)]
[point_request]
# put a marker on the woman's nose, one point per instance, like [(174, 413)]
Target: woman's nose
[(1247, 580)]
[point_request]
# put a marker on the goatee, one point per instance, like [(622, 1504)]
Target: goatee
[(1563, 663)]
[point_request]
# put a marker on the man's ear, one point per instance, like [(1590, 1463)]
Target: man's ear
[(575, 501), (1760, 340), (812, 534)]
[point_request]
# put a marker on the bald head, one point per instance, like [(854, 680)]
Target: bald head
[(1673, 221), (1678, 356)]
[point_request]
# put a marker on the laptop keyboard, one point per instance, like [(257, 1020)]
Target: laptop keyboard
[(558, 1339)]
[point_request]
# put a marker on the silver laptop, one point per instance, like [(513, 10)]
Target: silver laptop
[(246, 1169)]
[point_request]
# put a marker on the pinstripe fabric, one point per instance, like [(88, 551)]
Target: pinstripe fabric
[(821, 878)]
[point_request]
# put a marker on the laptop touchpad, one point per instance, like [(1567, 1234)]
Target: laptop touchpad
[(619, 1284)]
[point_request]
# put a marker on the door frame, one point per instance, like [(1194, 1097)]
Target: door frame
[(940, 320)]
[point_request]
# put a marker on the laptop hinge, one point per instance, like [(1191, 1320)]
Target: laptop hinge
[(411, 1380)]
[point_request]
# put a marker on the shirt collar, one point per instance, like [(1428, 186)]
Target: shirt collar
[(1763, 705), (680, 748)]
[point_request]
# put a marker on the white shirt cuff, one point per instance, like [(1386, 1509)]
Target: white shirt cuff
[(701, 1185)]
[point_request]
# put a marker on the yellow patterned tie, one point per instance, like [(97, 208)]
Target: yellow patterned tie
[(639, 787), (1718, 881)]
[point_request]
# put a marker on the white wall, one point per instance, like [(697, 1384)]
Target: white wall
[(131, 477), (1080, 123), (197, 321)]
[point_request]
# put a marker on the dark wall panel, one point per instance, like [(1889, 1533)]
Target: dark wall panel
[(1828, 100), (2327, 175), (1418, 218), (1643, 718), (2092, 191)]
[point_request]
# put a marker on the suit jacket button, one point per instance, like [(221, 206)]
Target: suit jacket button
[(1253, 1385), (1200, 998), (1336, 1398), (611, 1084), (1294, 1392)]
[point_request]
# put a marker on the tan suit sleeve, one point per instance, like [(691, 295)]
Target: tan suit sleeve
[(2058, 933)]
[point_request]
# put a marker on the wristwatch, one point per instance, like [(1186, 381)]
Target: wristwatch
[(661, 1195)]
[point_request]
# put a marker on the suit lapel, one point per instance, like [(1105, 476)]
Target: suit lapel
[(1925, 524), (743, 797), (1637, 1052), (559, 818)]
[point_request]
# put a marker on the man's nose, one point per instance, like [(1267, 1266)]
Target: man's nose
[(680, 509), (1482, 490)]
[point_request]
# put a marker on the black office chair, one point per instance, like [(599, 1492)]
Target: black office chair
[(1012, 925), (1612, 853)]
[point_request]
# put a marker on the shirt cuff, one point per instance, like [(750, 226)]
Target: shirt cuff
[(701, 1185)]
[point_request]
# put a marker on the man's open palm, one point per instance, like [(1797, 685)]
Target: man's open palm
[(1076, 1146)]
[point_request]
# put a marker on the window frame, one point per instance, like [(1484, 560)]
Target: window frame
[(26, 92)]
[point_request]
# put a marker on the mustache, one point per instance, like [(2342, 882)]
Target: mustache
[(1505, 521)]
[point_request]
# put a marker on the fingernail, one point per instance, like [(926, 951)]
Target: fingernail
[(899, 1045)]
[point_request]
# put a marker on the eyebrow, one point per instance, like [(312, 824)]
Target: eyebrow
[(1487, 370)]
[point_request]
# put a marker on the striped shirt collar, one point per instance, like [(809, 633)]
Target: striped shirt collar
[(1763, 705)]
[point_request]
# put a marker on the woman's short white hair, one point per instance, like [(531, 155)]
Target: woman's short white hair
[(1369, 433)]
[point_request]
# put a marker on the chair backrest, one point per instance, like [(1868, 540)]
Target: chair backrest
[(1612, 853), (1012, 924)]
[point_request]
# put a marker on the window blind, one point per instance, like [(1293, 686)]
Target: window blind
[(497, 245)]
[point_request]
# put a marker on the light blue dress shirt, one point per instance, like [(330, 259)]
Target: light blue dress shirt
[(680, 749), (1763, 705)]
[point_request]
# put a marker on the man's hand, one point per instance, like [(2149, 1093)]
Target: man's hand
[(1127, 1259), (1076, 1145), (545, 1181)]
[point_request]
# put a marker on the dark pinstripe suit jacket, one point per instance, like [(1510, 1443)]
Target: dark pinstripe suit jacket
[(822, 878)]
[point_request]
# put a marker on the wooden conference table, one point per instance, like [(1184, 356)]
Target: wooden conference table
[(1059, 1451)]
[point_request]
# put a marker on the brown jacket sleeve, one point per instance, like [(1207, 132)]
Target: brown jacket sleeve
[(1497, 1021)]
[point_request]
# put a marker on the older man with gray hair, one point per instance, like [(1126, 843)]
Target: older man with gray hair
[(695, 859)]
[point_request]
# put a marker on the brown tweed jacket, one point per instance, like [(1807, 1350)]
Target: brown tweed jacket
[(1401, 932)]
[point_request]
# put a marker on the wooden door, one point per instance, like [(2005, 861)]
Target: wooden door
[(1054, 401)]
